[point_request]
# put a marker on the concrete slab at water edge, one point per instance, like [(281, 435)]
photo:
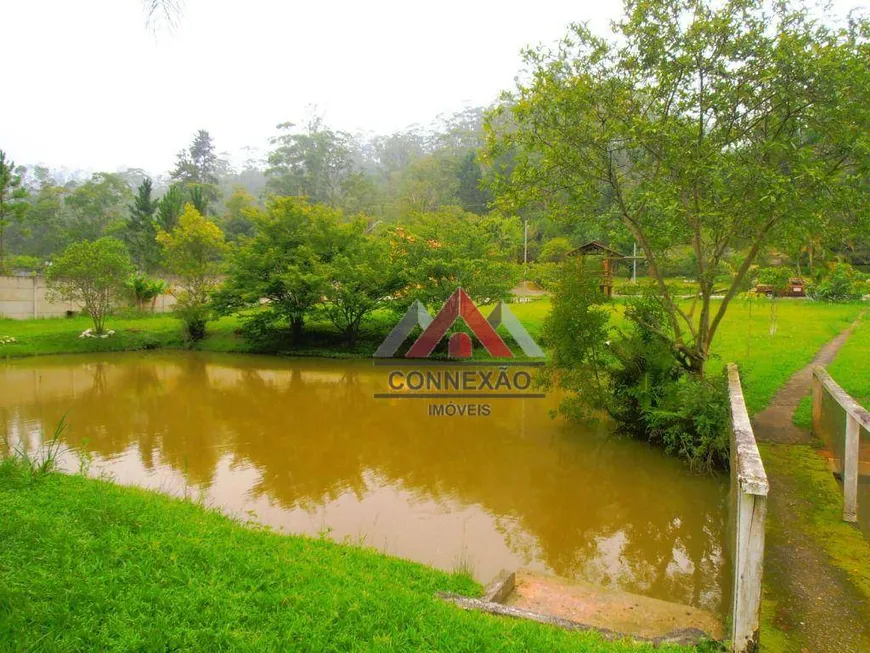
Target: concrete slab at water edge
[(612, 610)]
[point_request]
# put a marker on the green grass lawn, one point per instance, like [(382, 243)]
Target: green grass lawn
[(87, 565), (766, 359), (850, 368)]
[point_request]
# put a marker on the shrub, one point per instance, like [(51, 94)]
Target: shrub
[(144, 290), (842, 285), (634, 374), (554, 250), (193, 252)]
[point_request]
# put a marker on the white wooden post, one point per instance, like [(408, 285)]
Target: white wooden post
[(850, 470), (817, 406), (749, 511), (856, 417)]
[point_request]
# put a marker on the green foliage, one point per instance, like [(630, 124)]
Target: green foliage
[(31, 466), (450, 248), (577, 331), (554, 250), (632, 373), (699, 125), (98, 207), (841, 285), (144, 290), (691, 421), (775, 277), (170, 207), (676, 288), (196, 170), (237, 222), (362, 276), (193, 252), (18, 262), (314, 163), (283, 262), (12, 196), (546, 275), (141, 231), (91, 274)]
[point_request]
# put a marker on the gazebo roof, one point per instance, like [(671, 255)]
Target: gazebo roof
[(594, 247)]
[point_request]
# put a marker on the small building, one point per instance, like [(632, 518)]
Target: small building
[(609, 258)]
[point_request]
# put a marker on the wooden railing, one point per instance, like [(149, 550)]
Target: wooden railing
[(856, 417), (749, 488)]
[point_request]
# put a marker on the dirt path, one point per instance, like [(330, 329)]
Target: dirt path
[(816, 605), (774, 424)]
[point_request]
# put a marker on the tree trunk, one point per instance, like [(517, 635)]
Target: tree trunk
[(297, 325)]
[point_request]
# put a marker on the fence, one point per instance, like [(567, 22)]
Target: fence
[(23, 297), (841, 431), (748, 510)]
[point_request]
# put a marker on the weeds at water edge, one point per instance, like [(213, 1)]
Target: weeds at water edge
[(39, 463)]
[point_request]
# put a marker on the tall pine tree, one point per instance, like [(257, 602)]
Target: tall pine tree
[(196, 167), (12, 196), (142, 230)]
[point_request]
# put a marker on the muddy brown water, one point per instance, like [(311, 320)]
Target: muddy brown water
[(304, 447)]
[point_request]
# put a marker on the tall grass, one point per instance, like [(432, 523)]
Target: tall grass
[(35, 464)]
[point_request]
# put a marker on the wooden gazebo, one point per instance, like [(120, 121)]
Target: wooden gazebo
[(609, 260)]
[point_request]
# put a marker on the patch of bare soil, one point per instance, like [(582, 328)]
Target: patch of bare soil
[(815, 603)]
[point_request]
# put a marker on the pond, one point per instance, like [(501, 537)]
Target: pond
[(302, 446)]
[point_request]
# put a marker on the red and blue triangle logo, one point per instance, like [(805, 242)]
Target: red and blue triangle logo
[(458, 305)]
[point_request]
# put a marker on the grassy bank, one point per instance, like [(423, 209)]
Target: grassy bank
[(87, 565), (136, 332)]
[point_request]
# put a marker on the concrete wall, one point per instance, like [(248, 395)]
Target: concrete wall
[(748, 511), (24, 297)]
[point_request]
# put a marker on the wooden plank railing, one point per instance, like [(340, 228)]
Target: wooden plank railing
[(749, 488), (856, 417)]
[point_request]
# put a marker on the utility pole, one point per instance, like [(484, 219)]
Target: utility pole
[(525, 248), (634, 264)]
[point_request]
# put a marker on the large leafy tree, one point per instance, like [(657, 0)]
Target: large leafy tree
[(91, 274), (98, 207), (451, 248), (45, 231), (719, 126), (237, 218), (284, 261), (314, 162), (12, 199), (363, 274)]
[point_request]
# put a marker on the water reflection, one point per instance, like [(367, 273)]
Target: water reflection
[(303, 446)]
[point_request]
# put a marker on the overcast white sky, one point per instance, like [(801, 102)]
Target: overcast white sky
[(93, 88)]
